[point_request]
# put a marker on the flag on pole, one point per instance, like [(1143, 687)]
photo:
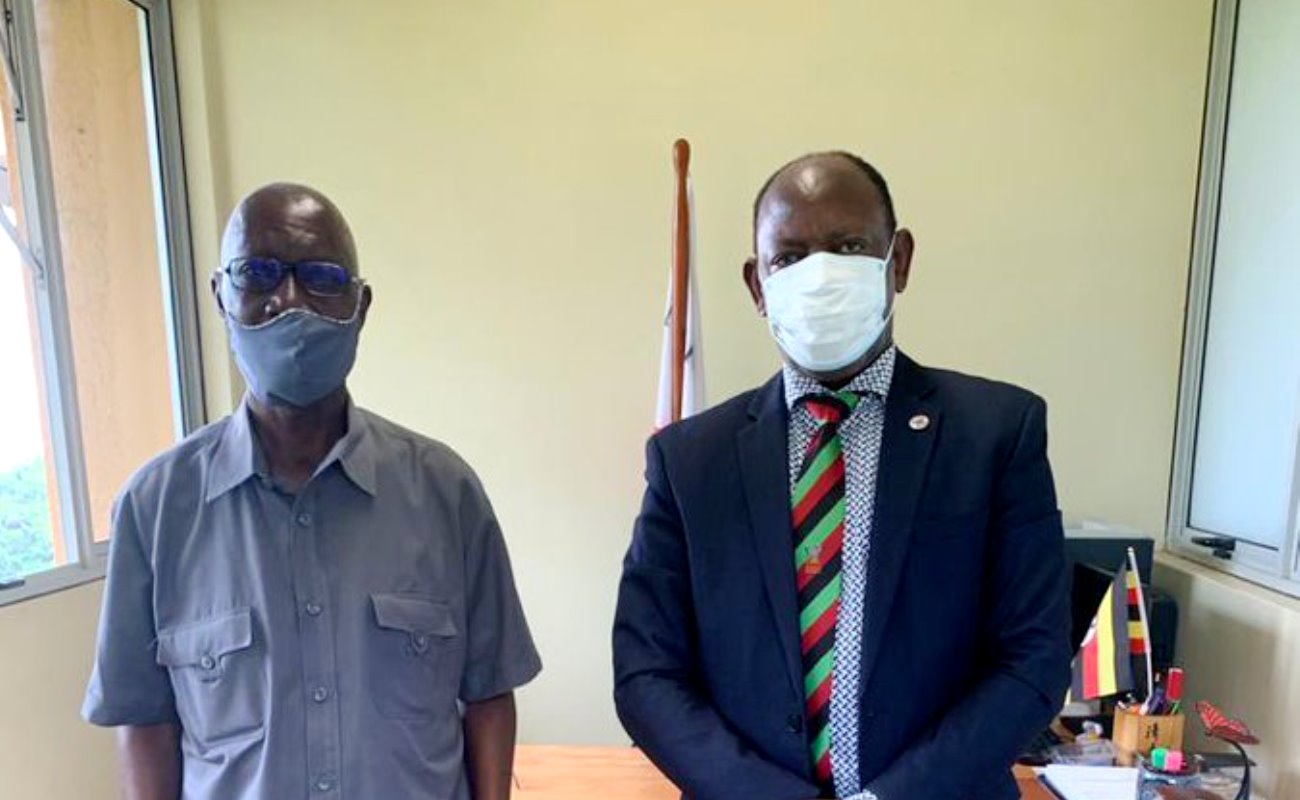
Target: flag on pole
[(681, 365), (1104, 664), (1139, 632)]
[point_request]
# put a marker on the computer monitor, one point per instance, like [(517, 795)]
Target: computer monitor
[(1106, 551)]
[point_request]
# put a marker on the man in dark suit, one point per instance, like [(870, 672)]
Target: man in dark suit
[(850, 581)]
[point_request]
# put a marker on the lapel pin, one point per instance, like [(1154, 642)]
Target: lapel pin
[(919, 423)]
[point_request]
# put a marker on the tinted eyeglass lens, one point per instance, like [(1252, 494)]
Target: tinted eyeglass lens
[(322, 278), (259, 275)]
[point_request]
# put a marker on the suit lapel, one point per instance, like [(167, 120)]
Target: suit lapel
[(764, 464), (904, 458)]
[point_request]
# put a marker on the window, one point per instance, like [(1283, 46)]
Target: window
[(98, 335), (1236, 492)]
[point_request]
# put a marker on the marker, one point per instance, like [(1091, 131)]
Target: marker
[(1175, 690), (1175, 683), (1157, 701), (1149, 705)]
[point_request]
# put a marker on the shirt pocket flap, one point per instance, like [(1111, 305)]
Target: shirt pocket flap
[(206, 641), (412, 615)]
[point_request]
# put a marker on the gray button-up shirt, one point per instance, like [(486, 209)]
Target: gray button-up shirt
[(310, 645)]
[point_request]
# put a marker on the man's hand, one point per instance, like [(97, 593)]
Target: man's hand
[(151, 761), (490, 746)]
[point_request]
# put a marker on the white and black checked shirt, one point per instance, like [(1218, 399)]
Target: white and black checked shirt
[(860, 435)]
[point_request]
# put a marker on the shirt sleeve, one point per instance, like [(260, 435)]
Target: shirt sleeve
[(500, 655), (127, 686)]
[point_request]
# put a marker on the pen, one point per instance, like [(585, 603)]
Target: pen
[(1157, 702), (1175, 690)]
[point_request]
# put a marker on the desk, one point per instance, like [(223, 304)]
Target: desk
[(1030, 788), (550, 772)]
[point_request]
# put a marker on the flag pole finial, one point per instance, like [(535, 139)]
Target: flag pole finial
[(681, 156)]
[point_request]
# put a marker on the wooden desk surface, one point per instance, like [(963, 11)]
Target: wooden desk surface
[(550, 772), (555, 772), (1030, 787)]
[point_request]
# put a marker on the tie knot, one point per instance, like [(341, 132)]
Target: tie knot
[(830, 409)]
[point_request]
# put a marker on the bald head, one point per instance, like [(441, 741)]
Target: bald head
[(286, 226), (814, 171), (289, 222), (833, 201)]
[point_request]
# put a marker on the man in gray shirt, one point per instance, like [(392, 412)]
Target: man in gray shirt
[(305, 600)]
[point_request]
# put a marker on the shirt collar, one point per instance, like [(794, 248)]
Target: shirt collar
[(875, 379), (238, 454)]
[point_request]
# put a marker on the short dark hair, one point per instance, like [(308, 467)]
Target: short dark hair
[(871, 172)]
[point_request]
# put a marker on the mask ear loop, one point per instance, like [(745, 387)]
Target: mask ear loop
[(893, 296)]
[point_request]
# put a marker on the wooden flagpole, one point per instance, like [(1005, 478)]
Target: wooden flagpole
[(681, 272)]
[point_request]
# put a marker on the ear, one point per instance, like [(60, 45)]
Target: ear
[(904, 247), (749, 272), (367, 297), (215, 283)]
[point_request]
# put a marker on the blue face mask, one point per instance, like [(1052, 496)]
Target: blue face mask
[(298, 357)]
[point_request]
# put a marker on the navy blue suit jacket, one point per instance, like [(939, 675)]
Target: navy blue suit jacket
[(965, 646)]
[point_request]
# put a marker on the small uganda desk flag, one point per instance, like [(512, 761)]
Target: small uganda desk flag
[(681, 368), (1116, 652)]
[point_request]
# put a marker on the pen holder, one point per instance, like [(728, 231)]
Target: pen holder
[(1137, 734)]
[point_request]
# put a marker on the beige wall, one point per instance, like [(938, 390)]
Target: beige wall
[(46, 751), (1240, 645), (506, 168)]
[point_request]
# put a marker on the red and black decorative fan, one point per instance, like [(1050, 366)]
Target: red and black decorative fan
[(1233, 731), (1221, 726)]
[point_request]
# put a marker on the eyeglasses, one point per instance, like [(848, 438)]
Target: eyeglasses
[(258, 275)]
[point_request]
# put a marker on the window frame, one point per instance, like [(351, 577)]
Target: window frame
[(1275, 569), (32, 153)]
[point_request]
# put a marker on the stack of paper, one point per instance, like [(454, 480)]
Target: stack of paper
[(1091, 783)]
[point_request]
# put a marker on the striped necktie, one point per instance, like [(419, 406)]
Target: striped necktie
[(818, 511)]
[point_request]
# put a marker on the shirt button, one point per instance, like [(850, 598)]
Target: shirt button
[(304, 519), (794, 723), (313, 609), (207, 662), (324, 783), (320, 694), (421, 641)]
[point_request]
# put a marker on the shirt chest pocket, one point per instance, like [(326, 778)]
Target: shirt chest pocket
[(217, 675), (413, 658)]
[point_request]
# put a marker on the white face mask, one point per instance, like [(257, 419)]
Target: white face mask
[(827, 310)]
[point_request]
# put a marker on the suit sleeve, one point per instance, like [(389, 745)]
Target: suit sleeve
[(1027, 630), (657, 689)]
